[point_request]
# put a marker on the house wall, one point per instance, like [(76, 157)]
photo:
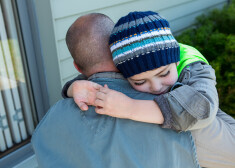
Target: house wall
[(63, 13)]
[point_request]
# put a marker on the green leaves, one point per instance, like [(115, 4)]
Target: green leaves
[(214, 36)]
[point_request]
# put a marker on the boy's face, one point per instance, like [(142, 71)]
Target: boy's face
[(157, 81)]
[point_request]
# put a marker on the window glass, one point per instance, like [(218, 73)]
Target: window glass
[(17, 112)]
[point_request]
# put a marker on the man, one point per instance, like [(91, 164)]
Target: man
[(68, 137)]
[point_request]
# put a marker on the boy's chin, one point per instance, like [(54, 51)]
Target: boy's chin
[(162, 92)]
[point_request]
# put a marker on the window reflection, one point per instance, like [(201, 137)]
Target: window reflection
[(16, 107)]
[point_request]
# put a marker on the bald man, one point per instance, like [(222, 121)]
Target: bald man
[(68, 137)]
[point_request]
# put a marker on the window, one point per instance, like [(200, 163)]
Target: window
[(17, 112), (23, 90)]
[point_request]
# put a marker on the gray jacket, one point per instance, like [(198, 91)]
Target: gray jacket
[(191, 105), (194, 104)]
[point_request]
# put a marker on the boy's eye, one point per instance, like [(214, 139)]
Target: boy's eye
[(139, 83), (164, 75)]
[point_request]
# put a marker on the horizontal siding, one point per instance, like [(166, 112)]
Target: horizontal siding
[(69, 78), (73, 7), (67, 68), (182, 23), (186, 13), (114, 12), (189, 8), (63, 53), (180, 14)]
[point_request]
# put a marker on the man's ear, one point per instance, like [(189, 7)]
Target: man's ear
[(75, 65)]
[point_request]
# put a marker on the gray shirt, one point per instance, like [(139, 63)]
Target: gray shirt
[(68, 137)]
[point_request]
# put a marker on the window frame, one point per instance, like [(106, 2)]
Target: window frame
[(35, 66)]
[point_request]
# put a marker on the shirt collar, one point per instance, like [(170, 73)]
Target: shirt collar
[(113, 75)]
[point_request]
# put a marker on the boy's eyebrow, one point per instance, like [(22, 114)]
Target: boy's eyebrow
[(154, 75), (162, 71), (136, 79)]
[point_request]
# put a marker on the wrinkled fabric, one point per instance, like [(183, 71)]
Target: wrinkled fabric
[(215, 144), (70, 138)]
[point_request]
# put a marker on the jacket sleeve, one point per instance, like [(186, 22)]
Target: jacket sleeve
[(66, 86), (194, 104)]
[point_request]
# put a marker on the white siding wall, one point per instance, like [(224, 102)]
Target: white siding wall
[(180, 14)]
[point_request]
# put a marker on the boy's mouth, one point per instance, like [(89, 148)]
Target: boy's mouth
[(165, 91)]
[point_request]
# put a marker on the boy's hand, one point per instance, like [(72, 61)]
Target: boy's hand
[(113, 103), (83, 93)]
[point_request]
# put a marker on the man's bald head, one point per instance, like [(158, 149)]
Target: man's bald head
[(87, 40)]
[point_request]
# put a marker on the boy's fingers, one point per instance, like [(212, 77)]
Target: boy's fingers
[(96, 86), (104, 90), (99, 103), (100, 95), (106, 86), (99, 110)]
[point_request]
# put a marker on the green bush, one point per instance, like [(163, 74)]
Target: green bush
[(214, 36)]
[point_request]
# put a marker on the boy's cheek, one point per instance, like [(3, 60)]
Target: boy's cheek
[(173, 78), (141, 88)]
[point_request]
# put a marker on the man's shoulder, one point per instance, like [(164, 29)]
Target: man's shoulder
[(64, 104), (58, 113), (62, 107)]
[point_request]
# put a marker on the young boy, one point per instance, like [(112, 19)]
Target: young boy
[(146, 53)]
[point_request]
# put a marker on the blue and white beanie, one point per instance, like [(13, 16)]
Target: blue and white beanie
[(142, 41)]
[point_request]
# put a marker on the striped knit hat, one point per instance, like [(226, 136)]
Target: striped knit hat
[(142, 41)]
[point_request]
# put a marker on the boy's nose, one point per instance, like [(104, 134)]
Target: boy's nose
[(156, 86)]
